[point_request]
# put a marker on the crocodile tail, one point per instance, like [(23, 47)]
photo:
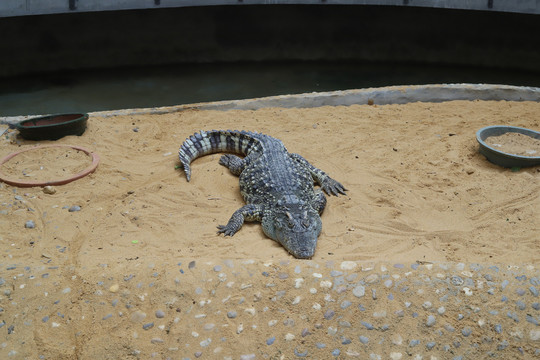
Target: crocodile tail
[(215, 141)]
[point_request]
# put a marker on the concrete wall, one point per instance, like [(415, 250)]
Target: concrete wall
[(36, 7), (49, 43)]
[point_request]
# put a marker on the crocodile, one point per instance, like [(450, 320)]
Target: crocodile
[(277, 186)]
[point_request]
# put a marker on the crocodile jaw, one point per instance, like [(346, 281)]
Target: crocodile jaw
[(300, 245)]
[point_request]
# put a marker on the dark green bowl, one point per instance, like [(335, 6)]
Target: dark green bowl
[(52, 127), (501, 158)]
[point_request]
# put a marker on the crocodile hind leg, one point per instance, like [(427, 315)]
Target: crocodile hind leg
[(249, 212), (232, 162), (329, 185)]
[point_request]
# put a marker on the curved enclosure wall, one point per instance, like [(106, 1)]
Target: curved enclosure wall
[(203, 34), (33, 7)]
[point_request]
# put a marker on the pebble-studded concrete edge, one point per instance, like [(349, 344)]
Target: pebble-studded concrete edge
[(246, 309), (379, 96)]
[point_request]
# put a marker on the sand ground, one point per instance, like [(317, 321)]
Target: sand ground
[(418, 192)]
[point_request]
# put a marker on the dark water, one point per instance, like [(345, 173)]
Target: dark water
[(184, 84)]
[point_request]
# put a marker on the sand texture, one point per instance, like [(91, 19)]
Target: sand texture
[(418, 193), (515, 143)]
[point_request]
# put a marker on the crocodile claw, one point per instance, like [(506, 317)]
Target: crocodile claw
[(332, 187), (223, 229)]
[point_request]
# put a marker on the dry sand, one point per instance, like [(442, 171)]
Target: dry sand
[(418, 191), (418, 188), (515, 143)]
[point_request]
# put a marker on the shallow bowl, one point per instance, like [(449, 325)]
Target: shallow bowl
[(52, 127), (502, 158)]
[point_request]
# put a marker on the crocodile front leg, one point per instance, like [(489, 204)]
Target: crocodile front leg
[(319, 202), (329, 185), (249, 212)]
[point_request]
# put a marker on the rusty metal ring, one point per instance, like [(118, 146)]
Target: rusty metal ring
[(19, 183)]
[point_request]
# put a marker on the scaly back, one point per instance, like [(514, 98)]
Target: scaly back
[(214, 141)]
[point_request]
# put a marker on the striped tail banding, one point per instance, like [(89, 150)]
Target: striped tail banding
[(215, 141)]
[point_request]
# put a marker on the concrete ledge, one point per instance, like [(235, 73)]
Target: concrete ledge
[(33, 7), (379, 96)]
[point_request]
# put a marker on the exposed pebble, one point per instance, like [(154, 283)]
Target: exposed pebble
[(205, 342), (300, 353), (363, 339), (359, 291), (345, 304), (148, 326), (512, 315), (289, 337), (441, 310), (160, 314), (348, 265), (531, 320), (49, 190), (329, 314), (30, 224), (396, 339), (372, 278), (74, 208), (367, 325), (467, 291), (414, 343), (138, 316), (426, 305)]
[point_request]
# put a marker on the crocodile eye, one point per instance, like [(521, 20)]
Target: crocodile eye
[(291, 224)]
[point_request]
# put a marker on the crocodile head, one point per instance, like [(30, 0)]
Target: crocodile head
[(295, 226)]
